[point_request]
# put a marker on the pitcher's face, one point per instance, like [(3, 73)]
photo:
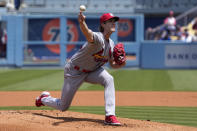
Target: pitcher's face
[(110, 25)]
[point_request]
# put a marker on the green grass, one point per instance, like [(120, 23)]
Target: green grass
[(125, 80), (25, 80), (175, 115)]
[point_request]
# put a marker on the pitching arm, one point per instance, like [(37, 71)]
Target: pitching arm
[(84, 28)]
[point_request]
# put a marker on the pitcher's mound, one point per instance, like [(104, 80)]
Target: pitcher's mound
[(72, 121)]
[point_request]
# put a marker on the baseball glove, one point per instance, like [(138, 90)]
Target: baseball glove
[(119, 54)]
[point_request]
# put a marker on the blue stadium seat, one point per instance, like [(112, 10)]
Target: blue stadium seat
[(193, 2), (121, 6), (175, 3), (99, 5), (124, 3), (74, 4), (139, 4), (34, 2)]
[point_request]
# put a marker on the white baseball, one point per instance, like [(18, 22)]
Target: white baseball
[(82, 8)]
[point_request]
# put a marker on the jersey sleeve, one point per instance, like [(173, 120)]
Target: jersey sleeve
[(97, 38)]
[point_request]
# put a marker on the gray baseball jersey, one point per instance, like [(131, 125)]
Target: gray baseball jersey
[(93, 55)]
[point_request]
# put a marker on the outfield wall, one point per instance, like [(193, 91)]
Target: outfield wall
[(168, 55)]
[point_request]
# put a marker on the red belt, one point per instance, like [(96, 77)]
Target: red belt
[(83, 70)]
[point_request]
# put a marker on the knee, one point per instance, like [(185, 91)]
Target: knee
[(108, 80), (111, 78)]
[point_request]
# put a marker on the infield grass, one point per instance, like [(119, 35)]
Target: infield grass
[(125, 80), (174, 115)]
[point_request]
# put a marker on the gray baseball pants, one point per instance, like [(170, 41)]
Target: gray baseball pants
[(72, 81)]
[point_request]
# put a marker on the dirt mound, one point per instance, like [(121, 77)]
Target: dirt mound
[(72, 121)]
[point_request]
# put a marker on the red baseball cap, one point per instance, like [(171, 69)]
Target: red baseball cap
[(108, 16)]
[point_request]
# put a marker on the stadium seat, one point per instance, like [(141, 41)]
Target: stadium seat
[(164, 3), (55, 3), (155, 4), (121, 5), (175, 3), (74, 4), (139, 4), (193, 2), (101, 5), (34, 2), (183, 4), (148, 4)]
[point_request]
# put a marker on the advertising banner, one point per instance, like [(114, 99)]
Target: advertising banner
[(181, 56)]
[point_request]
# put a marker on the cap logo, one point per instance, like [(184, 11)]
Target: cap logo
[(111, 14)]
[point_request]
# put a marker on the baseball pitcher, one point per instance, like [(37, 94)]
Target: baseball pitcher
[(86, 66)]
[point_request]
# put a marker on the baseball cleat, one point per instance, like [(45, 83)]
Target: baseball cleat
[(111, 120), (38, 101)]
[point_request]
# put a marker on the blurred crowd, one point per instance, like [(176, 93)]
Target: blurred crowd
[(3, 41), (13, 5), (171, 31)]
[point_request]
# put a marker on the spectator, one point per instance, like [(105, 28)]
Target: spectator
[(194, 37), (149, 34), (14, 5), (3, 43), (29, 55), (186, 37), (4, 37), (170, 22), (178, 33), (165, 35), (2, 3), (17, 4), (10, 5)]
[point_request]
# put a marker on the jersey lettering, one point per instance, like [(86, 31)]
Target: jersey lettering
[(99, 58)]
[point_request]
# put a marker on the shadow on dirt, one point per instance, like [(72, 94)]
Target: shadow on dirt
[(70, 119)]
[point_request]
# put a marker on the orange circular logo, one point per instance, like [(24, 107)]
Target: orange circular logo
[(125, 27), (51, 32)]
